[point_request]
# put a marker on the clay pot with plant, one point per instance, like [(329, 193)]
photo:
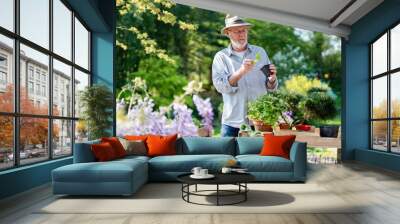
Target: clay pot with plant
[(266, 110), (294, 112)]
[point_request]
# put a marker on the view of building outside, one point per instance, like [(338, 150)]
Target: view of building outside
[(40, 123), (34, 87)]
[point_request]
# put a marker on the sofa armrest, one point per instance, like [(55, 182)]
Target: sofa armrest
[(83, 152), (298, 155)]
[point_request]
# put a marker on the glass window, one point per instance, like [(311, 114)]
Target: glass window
[(40, 62), (395, 136), (30, 72), (6, 74), (81, 45), (35, 21), (3, 61), (379, 98), (33, 140), (395, 47), (81, 81), (43, 90), (6, 142), (7, 14), (379, 56), (395, 95), (34, 80), (379, 133), (30, 87), (62, 29), (62, 72), (38, 89), (81, 131), (62, 137)]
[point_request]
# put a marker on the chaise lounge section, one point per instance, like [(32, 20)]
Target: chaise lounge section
[(125, 176)]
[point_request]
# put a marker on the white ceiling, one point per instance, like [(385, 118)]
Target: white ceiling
[(314, 15)]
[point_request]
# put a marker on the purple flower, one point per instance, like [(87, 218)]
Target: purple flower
[(205, 110)]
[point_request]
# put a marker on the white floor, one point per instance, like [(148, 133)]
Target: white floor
[(376, 189)]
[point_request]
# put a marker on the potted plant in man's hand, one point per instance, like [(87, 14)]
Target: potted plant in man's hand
[(266, 110), (320, 106)]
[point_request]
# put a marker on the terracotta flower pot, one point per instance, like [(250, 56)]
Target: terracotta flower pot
[(284, 126), (261, 126), (303, 127), (203, 132)]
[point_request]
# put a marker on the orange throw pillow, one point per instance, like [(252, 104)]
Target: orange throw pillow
[(161, 145), (277, 145), (116, 145), (103, 152), (136, 137)]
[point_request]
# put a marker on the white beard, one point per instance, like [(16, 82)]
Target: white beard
[(237, 45)]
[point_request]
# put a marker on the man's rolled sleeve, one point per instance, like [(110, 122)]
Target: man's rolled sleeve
[(220, 77)]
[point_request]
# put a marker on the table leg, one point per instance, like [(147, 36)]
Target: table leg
[(245, 193), (196, 188), (217, 194)]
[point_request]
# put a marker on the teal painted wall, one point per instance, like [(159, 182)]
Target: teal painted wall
[(102, 64), (356, 85), (99, 16)]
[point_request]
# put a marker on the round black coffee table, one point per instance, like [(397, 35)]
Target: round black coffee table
[(238, 179)]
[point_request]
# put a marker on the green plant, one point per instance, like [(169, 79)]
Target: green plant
[(300, 84), (97, 103), (294, 112), (320, 105), (243, 127), (267, 108)]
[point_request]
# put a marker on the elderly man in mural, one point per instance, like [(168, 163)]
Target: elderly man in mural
[(241, 72)]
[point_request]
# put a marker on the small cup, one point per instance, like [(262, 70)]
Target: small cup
[(196, 171), (226, 170), (203, 172)]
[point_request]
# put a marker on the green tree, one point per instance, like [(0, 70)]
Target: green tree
[(162, 79)]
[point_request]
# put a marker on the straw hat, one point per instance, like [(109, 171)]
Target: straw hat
[(233, 21)]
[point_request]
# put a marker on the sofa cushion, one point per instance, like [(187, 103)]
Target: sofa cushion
[(134, 147), (159, 145), (249, 145), (112, 171), (185, 163), (116, 145), (206, 145), (257, 163), (103, 151), (277, 145)]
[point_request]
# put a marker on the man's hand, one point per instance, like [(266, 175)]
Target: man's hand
[(272, 73), (247, 66)]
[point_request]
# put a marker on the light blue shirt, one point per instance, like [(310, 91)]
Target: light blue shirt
[(249, 87)]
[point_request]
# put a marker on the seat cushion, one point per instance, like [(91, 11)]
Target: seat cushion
[(185, 163), (257, 163), (111, 171)]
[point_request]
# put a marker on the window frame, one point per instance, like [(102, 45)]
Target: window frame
[(388, 74), (16, 114)]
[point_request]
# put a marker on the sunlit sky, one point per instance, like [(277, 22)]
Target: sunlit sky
[(35, 27)]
